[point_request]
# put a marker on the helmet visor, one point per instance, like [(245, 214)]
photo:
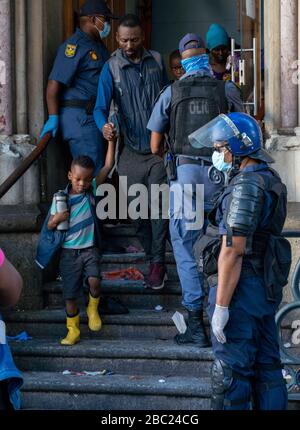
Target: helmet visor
[(217, 132)]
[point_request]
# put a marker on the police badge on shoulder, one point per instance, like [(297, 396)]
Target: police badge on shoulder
[(70, 51)]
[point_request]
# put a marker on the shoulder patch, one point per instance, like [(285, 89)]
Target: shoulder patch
[(70, 51)]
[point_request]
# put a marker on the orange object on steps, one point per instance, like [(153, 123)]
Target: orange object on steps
[(130, 274)]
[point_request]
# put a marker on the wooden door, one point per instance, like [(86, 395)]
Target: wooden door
[(145, 14), (71, 9)]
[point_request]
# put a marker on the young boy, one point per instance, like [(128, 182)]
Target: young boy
[(175, 65), (80, 258)]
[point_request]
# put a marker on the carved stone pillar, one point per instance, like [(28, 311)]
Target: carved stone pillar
[(289, 56), (272, 65), (5, 68)]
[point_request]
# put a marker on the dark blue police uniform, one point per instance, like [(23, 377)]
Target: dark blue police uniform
[(183, 238), (78, 66), (248, 366)]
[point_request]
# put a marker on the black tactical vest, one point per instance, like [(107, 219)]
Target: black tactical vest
[(268, 253), (196, 100)]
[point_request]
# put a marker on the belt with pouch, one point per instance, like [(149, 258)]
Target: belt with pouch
[(88, 105)]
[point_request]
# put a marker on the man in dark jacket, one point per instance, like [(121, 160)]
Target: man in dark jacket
[(132, 79)]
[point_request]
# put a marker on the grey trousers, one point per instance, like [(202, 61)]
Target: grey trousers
[(147, 170)]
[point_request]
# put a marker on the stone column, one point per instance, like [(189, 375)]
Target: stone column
[(272, 65), (5, 68), (298, 63), (21, 65), (35, 41), (289, 56)]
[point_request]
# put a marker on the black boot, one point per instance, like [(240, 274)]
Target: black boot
[(195, 333)]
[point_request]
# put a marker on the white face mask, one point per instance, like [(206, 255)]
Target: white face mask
[(219, 162), (106, 30)]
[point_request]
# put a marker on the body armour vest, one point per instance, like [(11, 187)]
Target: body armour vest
[(196, 100), (259, 239)]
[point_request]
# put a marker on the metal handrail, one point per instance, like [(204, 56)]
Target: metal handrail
[(296, 275), (287, 358), (25, 165)]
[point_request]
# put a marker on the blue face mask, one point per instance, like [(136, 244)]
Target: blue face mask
[(106, 30), (219, 162), (196, 63)]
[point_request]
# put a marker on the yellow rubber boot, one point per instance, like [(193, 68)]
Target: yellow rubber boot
[(95, 323), (73, 336)]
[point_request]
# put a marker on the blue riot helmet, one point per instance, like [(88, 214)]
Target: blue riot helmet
[(239, 131)]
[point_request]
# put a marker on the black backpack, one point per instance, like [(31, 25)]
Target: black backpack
[(196, 100)]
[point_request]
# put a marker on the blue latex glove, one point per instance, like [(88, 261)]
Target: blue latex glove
[(51, 126)]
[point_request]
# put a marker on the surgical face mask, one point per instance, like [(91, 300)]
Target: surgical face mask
[(219, 162), (196, 63), (106, 30)]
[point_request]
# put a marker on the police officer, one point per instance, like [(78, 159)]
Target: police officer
[(73, 83), (183, 107), (242, 303), (132, 79)]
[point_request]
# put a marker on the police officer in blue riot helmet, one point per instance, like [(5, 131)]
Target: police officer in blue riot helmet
[(247, 289), (73, 83)]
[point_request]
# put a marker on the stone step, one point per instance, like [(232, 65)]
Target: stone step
[(142, 267), (124, 235), (53, 391), (119, 230), (138, 324), (129, 358), (131, 259), (133, 294), (113, 262)]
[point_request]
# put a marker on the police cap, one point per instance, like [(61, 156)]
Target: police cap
[(96, 7)]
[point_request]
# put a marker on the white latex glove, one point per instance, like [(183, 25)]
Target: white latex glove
[(219, 322)]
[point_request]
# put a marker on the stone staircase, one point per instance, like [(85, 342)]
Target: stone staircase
[(140, 366), (145, 369)]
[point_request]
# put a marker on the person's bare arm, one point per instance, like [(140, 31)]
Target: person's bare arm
[(56, 219), (229, 269), (109, 163), (53, 92), (11, 285), (156, 143)]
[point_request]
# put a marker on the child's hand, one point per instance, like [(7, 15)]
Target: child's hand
[(109, 132), (61, 217)]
